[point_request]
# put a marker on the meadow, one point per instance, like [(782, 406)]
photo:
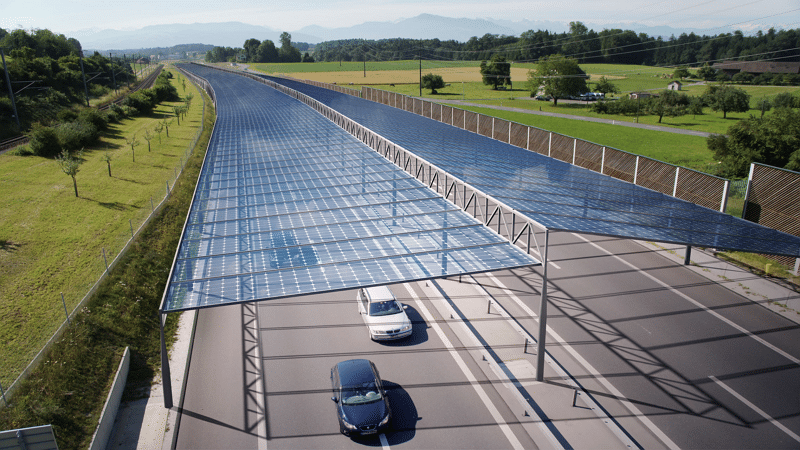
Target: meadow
[(463, 83), (53, 243)]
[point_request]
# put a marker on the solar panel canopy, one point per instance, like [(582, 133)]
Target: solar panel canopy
[(558, 195), (288, 203)]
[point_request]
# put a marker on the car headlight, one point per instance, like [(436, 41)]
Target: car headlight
[(406, 328), (348, 425), (385, 420)]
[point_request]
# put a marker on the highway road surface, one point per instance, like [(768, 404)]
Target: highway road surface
[(676, 360)]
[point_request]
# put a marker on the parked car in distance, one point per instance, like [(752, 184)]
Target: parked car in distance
[(385, 317), (361, 403)]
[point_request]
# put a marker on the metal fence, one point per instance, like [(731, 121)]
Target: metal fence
[(680, 182), (773, 200), (103, 264)]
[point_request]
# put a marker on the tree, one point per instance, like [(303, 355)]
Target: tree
[(784, 100), (159, 129), (605, 86), (681, 72), (727, 99), (774, 140), (307, 58), (695, 107), (147, 137), (251, 49), (267, 52), (668, 103), (133, 142), (288, 53), (496, 72), (432, 82), (763, 105), (70, 164), (166, 123), (706, 72), (558, 76)]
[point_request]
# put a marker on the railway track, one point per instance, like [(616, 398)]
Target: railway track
[(146, 83)]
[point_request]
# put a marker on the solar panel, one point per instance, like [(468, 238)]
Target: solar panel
[(558, 195), (288, 203)]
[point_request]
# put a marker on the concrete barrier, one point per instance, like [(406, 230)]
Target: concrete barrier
[(106, 425)]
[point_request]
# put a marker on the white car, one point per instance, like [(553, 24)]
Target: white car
[(385, 317)]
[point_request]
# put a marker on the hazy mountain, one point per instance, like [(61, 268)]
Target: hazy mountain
[(424, 26), (226, 34)]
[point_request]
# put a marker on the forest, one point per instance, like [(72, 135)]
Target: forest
[(613, 46), (45, 73)]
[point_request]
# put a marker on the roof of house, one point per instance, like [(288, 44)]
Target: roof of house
[(758, 66)]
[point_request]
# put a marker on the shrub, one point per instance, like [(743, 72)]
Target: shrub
[(44, 141), (94, 117), (67, 115), (144, 101), (784, 100), (76, 135)]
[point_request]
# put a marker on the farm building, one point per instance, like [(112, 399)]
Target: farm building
[(757, 67), (674, 86)]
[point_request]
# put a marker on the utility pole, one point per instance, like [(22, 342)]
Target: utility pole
[(420, 74), (85, 88), (113, 76), (10, 89)]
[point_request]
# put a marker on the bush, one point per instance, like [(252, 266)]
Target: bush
[(144, 101), (44, 141), (94, 117), (76, 135), (67, 115), (784, 100)]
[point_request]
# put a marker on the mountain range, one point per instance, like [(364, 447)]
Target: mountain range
[(424, 26)]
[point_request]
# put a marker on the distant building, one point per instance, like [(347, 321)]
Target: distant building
[(640, 95), (674, 86), (757, 67)]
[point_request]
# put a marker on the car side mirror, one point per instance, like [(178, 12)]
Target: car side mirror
[(335, 399)]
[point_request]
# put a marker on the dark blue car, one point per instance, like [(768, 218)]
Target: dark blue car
[(361, 403)]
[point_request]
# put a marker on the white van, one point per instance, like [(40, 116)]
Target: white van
[(385, 317)]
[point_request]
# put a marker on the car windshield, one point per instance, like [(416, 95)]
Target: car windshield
[(357, 395), (384, 308)]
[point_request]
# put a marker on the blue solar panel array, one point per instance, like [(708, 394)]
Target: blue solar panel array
[(556, 194), (288, 203)]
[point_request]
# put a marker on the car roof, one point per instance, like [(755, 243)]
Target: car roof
[(379, 293), (354, 372)]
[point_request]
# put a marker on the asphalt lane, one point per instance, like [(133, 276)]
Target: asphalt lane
[(664, 348), (709, 368), (434, 404)]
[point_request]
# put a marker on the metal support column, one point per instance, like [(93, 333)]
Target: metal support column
[(688, 255), (542, 313), (166, 376)]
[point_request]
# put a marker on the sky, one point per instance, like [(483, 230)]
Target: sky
[(708, 16)]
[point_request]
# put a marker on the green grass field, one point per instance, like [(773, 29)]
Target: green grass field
[(52, 242), (679, 149)]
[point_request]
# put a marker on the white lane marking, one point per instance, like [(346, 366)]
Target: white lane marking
[(589, 368), (384, 442), (498, 418), (755, 408), (261, 413), (502, 373), (698, 304)]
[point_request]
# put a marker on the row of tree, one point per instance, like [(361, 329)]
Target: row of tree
[(45, 73), (587, 46), (255, 51)]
